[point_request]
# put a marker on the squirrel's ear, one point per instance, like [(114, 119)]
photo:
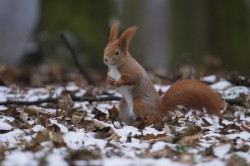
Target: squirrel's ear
[(114, 31), (126, 37)]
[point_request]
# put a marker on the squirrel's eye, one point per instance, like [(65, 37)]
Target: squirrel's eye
[(117, 53)]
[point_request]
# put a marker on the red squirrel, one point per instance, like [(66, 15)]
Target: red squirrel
[(139, 96)]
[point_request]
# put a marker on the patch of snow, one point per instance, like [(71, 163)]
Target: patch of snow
[(227, 122), (88, 162), (235, 92), (124, 132), (135, 144), (49, 110), (114, 93), (63, 129), (158, 146), (81, 92), (37, 128), (71, 87), (31, 122), (2, 108), (3, 98), (115, 161), (221, 85), (222, 150), (20, 158), (37, 93), (74, 140), (3, 118), (57, 157), (204, 144), (210, 79), (5, 126), (162, 88), (57, 92), (243, 135), (4, 89), (150, 130), (11, 137), (104, 107), (79, 139)]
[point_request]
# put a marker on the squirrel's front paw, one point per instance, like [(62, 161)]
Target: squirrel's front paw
[(118, 83), (110, 81)]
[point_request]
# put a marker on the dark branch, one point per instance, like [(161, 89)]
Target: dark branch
[(40, 101), (93, 99), (235, 101), (55, 100), (76, 60)]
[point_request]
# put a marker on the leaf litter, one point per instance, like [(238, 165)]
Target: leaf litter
[(91, 133)]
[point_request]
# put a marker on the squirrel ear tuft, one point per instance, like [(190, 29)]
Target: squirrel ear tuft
[(125, 37), (114, 31)]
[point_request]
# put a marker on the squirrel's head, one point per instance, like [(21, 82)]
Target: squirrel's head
[(117, 48)]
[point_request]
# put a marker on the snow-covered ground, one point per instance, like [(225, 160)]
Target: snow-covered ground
[(87, 134)]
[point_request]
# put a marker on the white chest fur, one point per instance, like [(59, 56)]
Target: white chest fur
[(114, 73), (126, 91)]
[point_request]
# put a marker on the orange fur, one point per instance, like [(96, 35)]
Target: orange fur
[(140, 98), (114, 31), (192, 94)]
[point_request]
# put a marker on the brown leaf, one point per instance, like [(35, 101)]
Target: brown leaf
[(206, 123), (158, 126), (85, 155), (186, 158), (66, 103), (99, 115), (148, 137), (246, 127), (190, 140), (247, 102), (113, 135), (102, 133), (24, 117), (31, 110), (113, 113), (47, 135), (191, 130), (2, 151), (167, 152), (75, 119), (54, 128), (236, 160), (44, 121)]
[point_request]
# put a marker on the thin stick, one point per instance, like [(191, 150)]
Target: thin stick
[(40, 101), (76, 60), (235, 101), (55, 100), (93, 99)]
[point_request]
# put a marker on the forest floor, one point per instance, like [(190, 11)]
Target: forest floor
[(68, 130)]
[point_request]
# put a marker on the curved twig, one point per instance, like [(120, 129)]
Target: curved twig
[(76, 61)]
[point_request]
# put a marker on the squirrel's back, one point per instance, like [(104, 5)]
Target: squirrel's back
[(194, 94)]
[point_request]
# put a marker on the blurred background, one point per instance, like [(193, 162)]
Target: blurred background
[(209, 33)]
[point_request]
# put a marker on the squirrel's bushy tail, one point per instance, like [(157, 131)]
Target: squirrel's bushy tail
[(194, 94)]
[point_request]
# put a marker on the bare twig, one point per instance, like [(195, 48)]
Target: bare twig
[(55, 100), (76, 60), (40, 101), (235, 101), (93, 99)]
